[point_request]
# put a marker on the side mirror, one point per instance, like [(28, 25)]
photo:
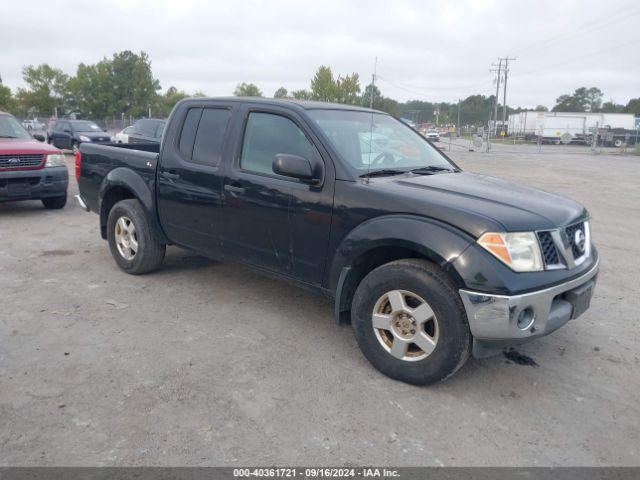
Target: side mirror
[(66, 130), (296, 167), (38, 137)]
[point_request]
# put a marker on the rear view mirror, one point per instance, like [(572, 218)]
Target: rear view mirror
[(296, 167)]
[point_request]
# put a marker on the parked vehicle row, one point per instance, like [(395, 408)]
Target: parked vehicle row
[(428, 263)]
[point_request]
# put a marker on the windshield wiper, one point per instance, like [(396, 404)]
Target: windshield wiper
[(432, 169), (7, 136), (383, 173)]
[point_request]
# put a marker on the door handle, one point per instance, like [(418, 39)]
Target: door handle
[(171, 176), (233, 189)]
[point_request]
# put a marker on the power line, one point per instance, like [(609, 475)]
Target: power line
[(424, 94), (576, 59), (593, 25)]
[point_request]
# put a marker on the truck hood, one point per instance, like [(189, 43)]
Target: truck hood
[(16, 146), (104, 136), (478, 203)]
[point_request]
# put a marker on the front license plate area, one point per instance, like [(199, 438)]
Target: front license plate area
[(18, 189), (580, 298)]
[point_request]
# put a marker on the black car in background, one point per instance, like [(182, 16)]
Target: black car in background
[(69, 134), (147, 130)]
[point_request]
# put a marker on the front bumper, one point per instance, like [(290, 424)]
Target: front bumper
[(33, 184), (499, 321)]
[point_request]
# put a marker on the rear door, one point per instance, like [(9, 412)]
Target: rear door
[(62, 135), (189, 179), (273, 221)]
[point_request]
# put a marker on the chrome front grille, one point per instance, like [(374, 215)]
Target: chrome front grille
[(20, 161), (565, 247)]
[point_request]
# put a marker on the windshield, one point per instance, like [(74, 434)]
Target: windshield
[(85, 127), (11, 128), (376, 141)]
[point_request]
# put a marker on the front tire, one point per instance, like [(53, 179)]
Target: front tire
[(134, 245), (55, 203), (410, 323)]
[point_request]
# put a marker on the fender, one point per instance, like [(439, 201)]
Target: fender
[(130, 180), (437, 241)]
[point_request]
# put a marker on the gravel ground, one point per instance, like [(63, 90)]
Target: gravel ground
[(205, 363)]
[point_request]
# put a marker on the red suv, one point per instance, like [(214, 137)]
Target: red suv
[(29, 168)]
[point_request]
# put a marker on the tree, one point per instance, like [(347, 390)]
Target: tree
[(46, 90), (379, 101), (348, 89), (165, 103), (612, 107), (6, 100), (541, 108), (247, 90), (123, 84), (583, 100), (633, 107), (301, 94), (281, 93), (323, 86)]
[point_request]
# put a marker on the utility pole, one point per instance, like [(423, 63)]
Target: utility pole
[(495, 102), (458, 122), (504, 97)]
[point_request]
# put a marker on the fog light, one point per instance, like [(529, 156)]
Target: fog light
[(525, 318)]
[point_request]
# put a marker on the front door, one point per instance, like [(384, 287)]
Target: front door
[(273, 221), (189, 183)]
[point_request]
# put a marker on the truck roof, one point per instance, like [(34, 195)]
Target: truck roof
[(305, 104)]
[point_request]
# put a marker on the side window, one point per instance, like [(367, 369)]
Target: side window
[(188, 134), (160, 130), (210, 136), (267, 135)]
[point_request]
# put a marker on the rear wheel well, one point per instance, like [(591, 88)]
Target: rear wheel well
[(111, 197), (370, 260)]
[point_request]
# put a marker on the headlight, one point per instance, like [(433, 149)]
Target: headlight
[(55, 161), (519, 251), (84, 138)]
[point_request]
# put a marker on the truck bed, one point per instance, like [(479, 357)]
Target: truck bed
[(100, 161)]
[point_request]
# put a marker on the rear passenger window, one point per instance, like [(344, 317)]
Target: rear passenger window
[(188, 135), (210, 135)]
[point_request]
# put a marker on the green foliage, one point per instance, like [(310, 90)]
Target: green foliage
[(46, 90), (323, 85), (281, 93), (348, 89), (111, 87), (247, 90), (612, 107), (541, 108), (7, 102), (165, 103), (301, 94), (583, 100), (633, 107)]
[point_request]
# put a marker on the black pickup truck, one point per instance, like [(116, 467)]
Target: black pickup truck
[(427, 263)]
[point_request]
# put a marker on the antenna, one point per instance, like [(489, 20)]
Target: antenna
[(373, 86)]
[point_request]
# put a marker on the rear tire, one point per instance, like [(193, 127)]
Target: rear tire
[(55, 203), (134, 245), (448, 338)]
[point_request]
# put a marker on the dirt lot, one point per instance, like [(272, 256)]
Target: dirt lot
[(212, 364)]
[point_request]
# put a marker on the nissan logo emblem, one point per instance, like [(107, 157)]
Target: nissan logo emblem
[(580, 240), (13, 161)]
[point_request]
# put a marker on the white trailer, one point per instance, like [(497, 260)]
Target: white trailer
[(523, 123), (565, 128)]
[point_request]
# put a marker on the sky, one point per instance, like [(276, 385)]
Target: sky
[(426, 50)]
